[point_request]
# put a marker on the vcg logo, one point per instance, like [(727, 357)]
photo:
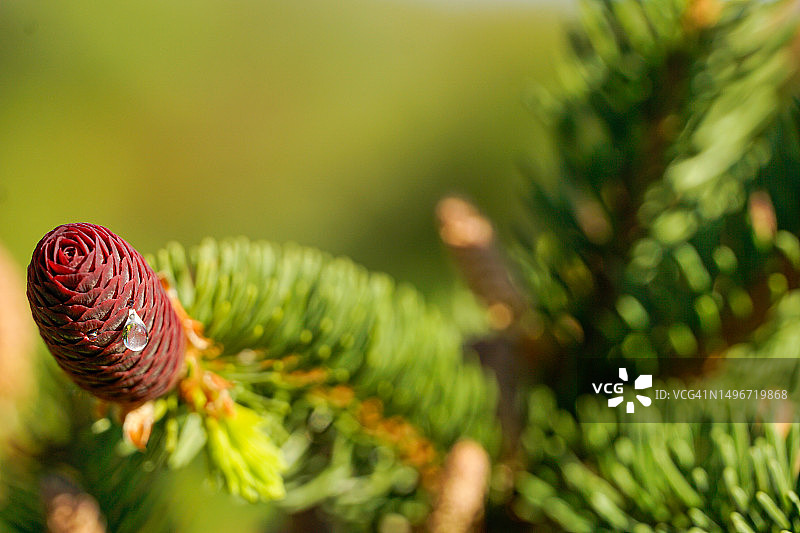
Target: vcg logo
[(645, 381)]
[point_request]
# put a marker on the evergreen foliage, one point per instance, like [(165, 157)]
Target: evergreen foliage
[(62, 450), (357, 381), (611, 475), (669, 139), (667, 229), (678, 153)]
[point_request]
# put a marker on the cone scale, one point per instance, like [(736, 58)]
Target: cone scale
[(104, 314)]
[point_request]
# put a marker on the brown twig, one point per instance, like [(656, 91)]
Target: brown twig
[(470, 238), (69, 509), (522, 338), (461, 498)]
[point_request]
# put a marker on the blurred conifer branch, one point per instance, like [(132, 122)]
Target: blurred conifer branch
[(676, 136)]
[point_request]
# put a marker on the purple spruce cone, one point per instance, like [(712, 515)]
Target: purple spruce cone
[(84, 285)]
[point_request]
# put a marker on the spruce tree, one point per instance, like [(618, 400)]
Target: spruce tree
[(666, 230)]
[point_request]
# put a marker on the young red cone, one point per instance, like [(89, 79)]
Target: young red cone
[(104, 315)]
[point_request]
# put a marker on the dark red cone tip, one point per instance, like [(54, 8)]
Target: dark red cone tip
[(82, 282)]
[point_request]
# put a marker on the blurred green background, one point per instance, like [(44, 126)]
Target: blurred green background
[(333, 124)]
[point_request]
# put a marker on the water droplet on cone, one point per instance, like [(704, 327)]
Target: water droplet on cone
[(134, 333)]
